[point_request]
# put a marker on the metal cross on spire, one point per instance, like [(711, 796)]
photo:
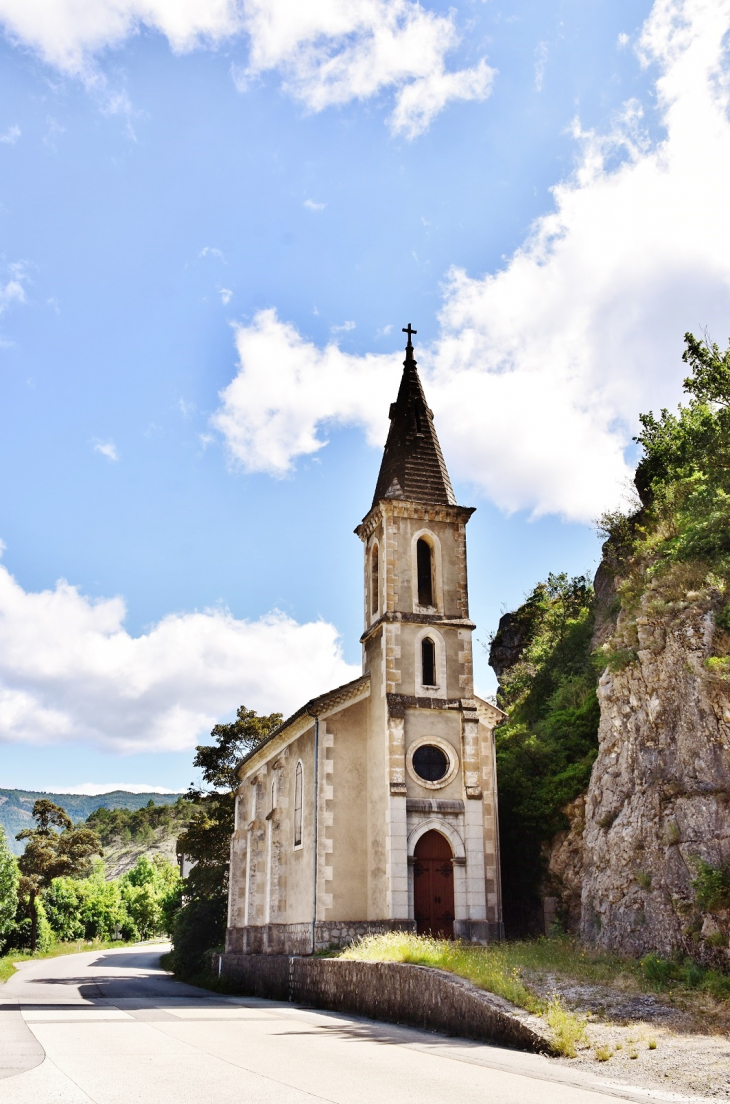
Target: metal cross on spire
[(409, 330)]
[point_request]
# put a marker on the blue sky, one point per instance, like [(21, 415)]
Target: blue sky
[(215, 220)]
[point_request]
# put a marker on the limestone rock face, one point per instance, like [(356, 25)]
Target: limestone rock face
[(659, 795), (564, 879)]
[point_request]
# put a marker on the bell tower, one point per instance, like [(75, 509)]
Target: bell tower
[(417, 628), (431, 748)]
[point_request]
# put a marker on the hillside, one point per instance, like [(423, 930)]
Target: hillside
[(126, 834), (16, 807)]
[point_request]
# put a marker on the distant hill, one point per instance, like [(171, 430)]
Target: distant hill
[(153, 830), (16, 807)]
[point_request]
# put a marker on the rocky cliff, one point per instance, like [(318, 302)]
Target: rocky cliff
[(658, 802)]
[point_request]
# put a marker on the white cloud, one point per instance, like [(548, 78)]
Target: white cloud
[(11, 292), (540, 369), (69, 671), (312, 206), (11, 135), (68, 34), (93, 789), (344, 328), (226, 295), (107, 448), (334, 51), (286, 389), (327, 52)]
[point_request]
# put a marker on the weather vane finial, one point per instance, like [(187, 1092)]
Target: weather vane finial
[(409, 330)]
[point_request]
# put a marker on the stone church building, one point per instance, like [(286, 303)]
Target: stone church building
[(374, 806)]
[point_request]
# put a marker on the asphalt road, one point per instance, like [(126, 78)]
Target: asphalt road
[(112, 1028)]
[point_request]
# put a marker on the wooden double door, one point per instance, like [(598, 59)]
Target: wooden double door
[(433, 886)]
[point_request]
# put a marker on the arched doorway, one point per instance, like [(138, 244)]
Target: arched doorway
[(433, 886)]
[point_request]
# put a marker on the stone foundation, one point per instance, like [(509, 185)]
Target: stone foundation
[(296, 939), (393, 991), (478, 931)]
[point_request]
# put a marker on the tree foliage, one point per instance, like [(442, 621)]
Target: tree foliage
[(546, 748), (201, 923), (54, 849), (115, 826), (206, 841), (683, 476), (9, 879)]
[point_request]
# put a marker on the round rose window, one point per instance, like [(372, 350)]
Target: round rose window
[(430, 763)]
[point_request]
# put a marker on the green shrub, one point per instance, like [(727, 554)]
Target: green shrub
[(657, 970), (199, 927), (711, 886)]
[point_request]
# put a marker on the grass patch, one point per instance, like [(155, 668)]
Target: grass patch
[(78, 946), (527, 971), (488, 967), (568, 1030), (496, 969)]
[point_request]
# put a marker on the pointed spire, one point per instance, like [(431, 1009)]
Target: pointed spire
[(413, 466)]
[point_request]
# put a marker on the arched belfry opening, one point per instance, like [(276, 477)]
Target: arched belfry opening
[(428, 661), (374, 581), (424, 567), (433, 886)]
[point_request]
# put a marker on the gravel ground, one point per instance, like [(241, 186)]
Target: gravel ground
[(679, 1050)]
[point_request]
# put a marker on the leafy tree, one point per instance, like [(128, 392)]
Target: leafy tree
[(207, 838), (63, 901), (546, 748), (201, 922), (9, 878), (54, 849), (148, 891)]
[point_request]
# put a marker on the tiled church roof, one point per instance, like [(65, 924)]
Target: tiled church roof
[(413, 466)]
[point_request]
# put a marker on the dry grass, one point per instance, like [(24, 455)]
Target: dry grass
[(495, 968), (487, 967)]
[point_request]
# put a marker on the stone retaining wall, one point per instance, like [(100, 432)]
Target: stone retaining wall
[(296, 939), (393, 991)]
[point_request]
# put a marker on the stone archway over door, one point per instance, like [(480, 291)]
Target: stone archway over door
[(433, 886)]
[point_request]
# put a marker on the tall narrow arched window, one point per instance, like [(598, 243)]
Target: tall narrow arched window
[(298, 806), (428, 661), (273, 794), (374, 580), (424, 565)]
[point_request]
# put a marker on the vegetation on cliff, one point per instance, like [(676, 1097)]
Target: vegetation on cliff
[(546, 749), (678, 541), (665, 558)]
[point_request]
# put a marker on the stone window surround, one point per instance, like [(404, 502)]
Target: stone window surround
[(449, 751), (440, 689), (437, 577), (373, 614), (298, 767)]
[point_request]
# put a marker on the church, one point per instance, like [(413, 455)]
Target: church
[(374, 806)]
